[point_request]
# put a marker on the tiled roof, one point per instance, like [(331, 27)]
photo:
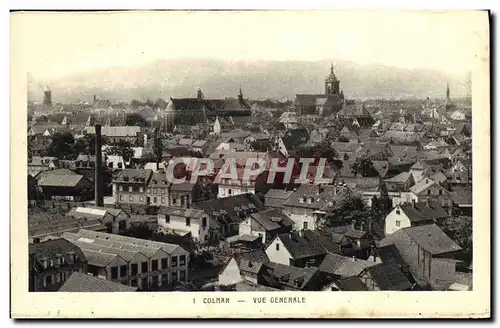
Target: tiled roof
[(422, 212), (278, 194), (134, 176), (432, 239), (352, 267), (272, 219), (462, 196), (331, 262), (351, 284), (59, 179), (300, 246), (403, 177), (56, 247), (277, 274), (84, 283), (389, 254), (182, 212), (315, 196), (214, 207), (389, 277)]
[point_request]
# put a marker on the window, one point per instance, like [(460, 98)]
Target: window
[(154, 265), (167, 218), (114, 273), (174, 200), (164, 263), (149, 190), (121, 188), (204, 222), (120, 165), (305, 225), (229, 192), (131, 198), (133, 283), (174, 261), (154, 200), (182, 260), (428, 192), (141, 199), (121, 198), (398, 223), (440, 192), (123, 271), (182, 200), (155, 191), (134, 268), (144, 267), (48, 280), (144, 283), (188, 222), (154, 281), (163, 200), (130, 189), (277, 246), (141, 189), (182, 275)]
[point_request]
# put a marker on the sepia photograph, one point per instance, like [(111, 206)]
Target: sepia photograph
[(196, 156)]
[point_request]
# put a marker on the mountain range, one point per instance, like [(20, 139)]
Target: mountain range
[(259, 79)]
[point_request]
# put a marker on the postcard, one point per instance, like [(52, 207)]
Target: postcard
[(250, 164)]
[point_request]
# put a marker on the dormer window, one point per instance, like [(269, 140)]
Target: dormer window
[(125, 178), (44, 262)]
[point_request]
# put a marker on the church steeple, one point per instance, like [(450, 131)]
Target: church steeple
[(240, 94), (331, 69), (200, 94), (332, 85)]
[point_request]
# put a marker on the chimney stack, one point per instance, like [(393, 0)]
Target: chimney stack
[(99, 197)]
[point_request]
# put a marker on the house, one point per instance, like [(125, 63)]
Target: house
[(290, 278), (200, 146), (412, 215), (385, 277), (37, 164), (429, 252), (428, 189), (115, 219), (183, 194), (275, 198), (308, 204), (52, 262), (134, 262), (244, 266), (351, 284), (340, 267), (295, 249), (266, 224), (65, 184), (289, 120), (228, 212), (184, 220), (114, 134), (84, 283), (400, 183), (129, 186), (157, 192), (115, 162), (462, 199)]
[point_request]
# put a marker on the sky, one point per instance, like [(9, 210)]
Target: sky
[(54, 44)]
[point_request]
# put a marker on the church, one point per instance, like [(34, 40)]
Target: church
[(322, 104), (191, 111)]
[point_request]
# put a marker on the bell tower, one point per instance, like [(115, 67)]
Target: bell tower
[(332, 85)]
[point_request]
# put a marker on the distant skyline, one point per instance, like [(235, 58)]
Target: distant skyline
[(66, 43)]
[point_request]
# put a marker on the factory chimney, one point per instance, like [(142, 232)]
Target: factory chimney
[(99, 198)]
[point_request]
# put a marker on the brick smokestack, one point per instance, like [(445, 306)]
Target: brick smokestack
[(99, 197)]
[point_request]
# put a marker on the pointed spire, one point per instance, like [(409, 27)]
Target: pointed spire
[(331, 68)]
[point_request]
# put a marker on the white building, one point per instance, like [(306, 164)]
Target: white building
[(183, 221)]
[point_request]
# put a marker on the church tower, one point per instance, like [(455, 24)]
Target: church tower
[(447, 103), (332, 85)]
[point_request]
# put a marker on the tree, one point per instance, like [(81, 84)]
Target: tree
[(86, 144), (62, 146), (160, 103), (364, 166), (135, 103), (351, 208), (122, 148), (459, 229), (135, 119)]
